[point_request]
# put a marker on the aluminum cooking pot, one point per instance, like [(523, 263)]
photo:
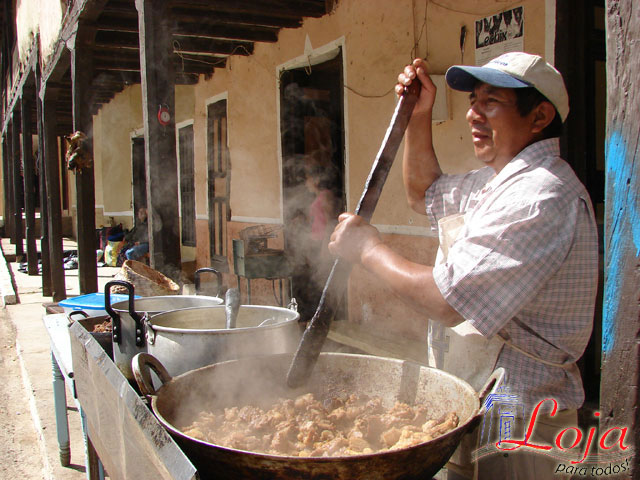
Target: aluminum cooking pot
[(261, 380), (128, 328), (191, 338)]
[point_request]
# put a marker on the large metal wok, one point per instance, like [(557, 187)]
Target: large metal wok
[(261, 380)]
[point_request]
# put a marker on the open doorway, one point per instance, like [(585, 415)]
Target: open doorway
[(313, 165), (580, 53)]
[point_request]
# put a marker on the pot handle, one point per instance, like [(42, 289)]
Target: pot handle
[(117, 337), (140, 365), (149, 332), (293, 304), (196, 279), (490, 387), (73, 313)]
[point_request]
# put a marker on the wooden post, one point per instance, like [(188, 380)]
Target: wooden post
[(54, 210), (17, 186), (158, 91), (8, 184), (81, 78), (619, 392), (29, 184), (6, 179), (44, 210)]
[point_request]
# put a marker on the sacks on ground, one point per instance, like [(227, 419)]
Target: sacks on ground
[(111, 252)]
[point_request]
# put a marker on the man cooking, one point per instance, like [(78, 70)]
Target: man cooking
[(518, 257)]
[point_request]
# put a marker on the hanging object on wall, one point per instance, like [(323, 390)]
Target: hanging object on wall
[(164, 117), (78, 156), (499, 33)]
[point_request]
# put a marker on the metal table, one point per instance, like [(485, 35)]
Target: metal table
[(128, 438), (120, 431), (62, 368)]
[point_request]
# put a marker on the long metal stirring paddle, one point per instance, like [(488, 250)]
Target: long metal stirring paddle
[(316, 332)]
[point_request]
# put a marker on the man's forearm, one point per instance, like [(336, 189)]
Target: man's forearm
[(420, 166), (411, 281)]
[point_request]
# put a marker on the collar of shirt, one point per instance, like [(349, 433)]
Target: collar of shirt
[(531, 155)]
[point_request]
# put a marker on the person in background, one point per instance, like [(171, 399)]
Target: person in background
[(137, 240), (315, 222), (518, 257)]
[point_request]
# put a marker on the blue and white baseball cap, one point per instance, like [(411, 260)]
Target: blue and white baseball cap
[(514, 70)]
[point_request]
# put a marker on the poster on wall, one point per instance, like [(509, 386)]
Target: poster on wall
[(499, 33)]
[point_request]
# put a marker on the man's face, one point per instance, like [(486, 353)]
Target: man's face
[(498, 131)]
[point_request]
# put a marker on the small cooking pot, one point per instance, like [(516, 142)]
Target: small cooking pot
[(262, 380), (128, 328)]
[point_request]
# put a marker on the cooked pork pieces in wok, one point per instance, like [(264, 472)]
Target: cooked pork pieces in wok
[(307, 427)]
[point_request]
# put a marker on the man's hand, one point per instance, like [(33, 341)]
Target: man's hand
[(428, 92), (353, 238)]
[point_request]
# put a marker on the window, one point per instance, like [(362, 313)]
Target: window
[(218, 183)]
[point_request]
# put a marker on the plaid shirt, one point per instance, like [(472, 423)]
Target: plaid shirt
[(524, 266)]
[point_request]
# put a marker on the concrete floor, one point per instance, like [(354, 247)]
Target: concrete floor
[(24, 306)]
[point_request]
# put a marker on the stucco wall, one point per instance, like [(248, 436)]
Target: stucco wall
[(378, 42), (114, 126)]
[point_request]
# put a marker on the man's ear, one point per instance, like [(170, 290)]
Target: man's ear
[(543, 115)]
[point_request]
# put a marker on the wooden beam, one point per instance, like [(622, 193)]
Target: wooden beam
[(9, 185), (119, 23), (81, 78), (117, 39), (6, 184), (122, 45), (288, 9), (620, 391), (121, 8), (29, 185), (232, 32), (115, 79), (183, 63), (158, 89), (208, 16), (44, 209), (18, 197), (211, 46), (52, 173), (116, 56)]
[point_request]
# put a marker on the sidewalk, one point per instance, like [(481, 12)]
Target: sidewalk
[(22, 300)]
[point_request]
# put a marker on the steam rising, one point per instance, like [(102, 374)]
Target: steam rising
[(312, 188)]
